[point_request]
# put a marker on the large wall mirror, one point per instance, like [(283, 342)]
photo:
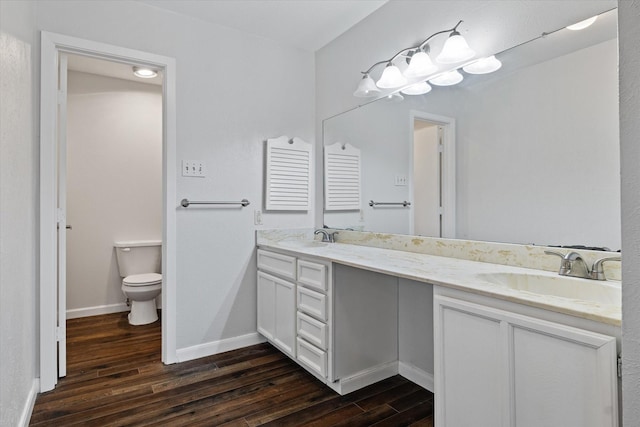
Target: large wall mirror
[(530, 153)]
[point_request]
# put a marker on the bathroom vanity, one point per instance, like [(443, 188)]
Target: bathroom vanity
[(483, 336)]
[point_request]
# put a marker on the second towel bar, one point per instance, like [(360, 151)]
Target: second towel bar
[(404, 203), (185, 203)]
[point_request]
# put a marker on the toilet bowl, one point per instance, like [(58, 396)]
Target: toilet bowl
[(142, 290), (139, 265)]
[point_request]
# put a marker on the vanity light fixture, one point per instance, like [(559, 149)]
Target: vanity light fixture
[(449, 78), (455, 50), (582, 24), (144, 72), (483, 65)]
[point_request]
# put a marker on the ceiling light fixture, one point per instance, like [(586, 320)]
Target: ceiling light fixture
[(144, 72), (582, 24), (455, 50)]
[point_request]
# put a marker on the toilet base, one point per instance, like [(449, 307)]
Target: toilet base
[(143, 312)]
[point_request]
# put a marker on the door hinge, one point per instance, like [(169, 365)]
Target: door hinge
[(61, 97), (619, 366), (58, 333), (440, 148)]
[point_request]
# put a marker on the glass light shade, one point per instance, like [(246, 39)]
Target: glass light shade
[(420, 66), (395, 97), (145, 73), (366, 88), (455, 50), (582, 24), (417, 89), (483, 66), (449, 78), (391, 78)]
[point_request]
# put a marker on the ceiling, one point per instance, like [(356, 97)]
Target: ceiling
[(305, 24)]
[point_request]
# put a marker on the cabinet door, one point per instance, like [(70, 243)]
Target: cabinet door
[(277, 311), (499, 368), (561, 376), (285, 316), (468, 377), (266, 305)]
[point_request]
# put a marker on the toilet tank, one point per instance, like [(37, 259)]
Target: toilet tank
[(139, 257)]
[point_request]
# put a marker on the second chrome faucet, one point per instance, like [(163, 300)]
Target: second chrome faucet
[(572, 264)]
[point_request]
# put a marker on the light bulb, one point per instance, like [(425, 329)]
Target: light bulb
[(366, 88), (447, 79), (420, 65), (582, 24), (144, 72), (483, 66), (391, 78), (417, 89), (455, 50)]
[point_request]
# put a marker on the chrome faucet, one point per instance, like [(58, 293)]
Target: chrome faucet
[(326, 236), (574, 265)]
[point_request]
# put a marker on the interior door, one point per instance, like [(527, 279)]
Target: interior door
[(62, 216)]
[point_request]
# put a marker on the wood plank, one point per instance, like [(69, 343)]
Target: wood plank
[(115, 377)]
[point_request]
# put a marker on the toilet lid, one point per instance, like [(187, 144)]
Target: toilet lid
[(143, 279)]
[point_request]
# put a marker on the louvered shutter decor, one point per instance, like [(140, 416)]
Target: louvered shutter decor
[(341, 177), (288, 174)]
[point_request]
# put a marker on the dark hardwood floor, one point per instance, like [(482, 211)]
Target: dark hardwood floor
[(115, 378)]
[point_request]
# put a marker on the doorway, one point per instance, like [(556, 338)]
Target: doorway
[(54, 51), (432, 169)]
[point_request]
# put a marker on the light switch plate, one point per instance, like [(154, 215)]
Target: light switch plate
[(193, 168), (401, 180)]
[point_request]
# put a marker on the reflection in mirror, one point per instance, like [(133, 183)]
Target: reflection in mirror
[(530, 152)]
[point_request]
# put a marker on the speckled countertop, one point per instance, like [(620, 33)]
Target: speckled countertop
[(455, 273)]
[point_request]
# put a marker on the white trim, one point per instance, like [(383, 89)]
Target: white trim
[(96, 310), (365, 378), (215, 347), (448, 183), (51, 44), (25, 417), (414, 374)]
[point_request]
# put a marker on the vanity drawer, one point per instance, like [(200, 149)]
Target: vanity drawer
[(312, 330), (282, 265), (313, 303), (313, 275), (312, 357)]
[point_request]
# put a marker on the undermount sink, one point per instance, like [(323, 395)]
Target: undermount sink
[(601, 292)]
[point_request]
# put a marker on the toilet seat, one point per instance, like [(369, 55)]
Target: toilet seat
[(147, 279)]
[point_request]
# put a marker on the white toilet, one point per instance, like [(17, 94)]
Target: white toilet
[(139, 264)]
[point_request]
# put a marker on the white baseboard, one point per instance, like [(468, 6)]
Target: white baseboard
[(25, 417), (94, 311), (215, 347), (422, 378), (365, 378)]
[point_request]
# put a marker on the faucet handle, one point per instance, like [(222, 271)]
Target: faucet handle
[(597, 272), (561, 255)]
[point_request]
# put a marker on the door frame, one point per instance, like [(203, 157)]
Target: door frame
[(448, 182), (51, 45)]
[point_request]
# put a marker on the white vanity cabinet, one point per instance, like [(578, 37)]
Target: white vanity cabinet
[(495, 366), (294, 307)]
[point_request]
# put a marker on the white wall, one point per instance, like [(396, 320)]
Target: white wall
[(114, 183), (234, 91), (629, 16), (18, 206)]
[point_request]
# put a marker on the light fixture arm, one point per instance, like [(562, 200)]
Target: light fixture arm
[(420, 46)]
